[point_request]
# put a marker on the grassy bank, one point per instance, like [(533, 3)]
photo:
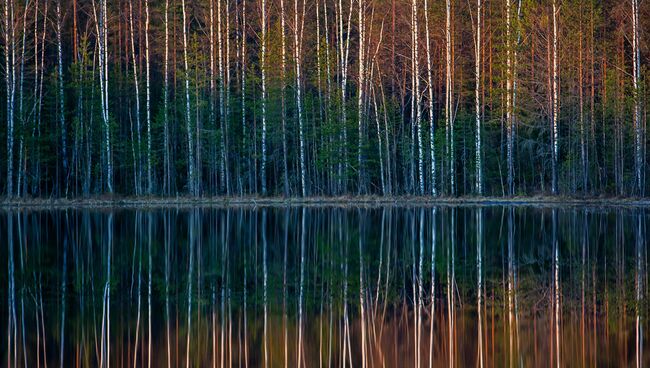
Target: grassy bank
[(344, 201)]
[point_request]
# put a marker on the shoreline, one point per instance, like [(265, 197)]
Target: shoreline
[(340, 201)]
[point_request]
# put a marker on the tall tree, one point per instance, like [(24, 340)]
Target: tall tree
[(263, 72), (10, 80), (555, 104), (191, 181), (636, 78), (477, 100)]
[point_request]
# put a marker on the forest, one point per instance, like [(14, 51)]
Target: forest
[(324, 98)]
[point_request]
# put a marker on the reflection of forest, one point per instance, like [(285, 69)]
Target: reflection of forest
[(325, 287)]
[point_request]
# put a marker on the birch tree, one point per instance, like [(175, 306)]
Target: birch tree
[(138, 144), (509, 107), (432, 147), (360, 93), (166, 158), (415, 75), (102, 45), (449, 95), (636, 77), (10, 80), (188, 119), (148, 98), (343, 37), (297, 38), (554, 119), (283, 87), (60, 97), (477, 100), (263, 71)]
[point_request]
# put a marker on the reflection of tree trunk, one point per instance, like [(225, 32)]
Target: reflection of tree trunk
[(167, 226), (556, 290), (284, 290), (433, 284), (479, 283), (640, 240), (192, 225), (264, 268), (302, 286)]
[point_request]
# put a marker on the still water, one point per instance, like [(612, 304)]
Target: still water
[(371, 287)]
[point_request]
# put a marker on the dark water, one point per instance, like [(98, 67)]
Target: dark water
[(497, 286)]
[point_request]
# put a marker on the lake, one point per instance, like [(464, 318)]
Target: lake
[(325, 286)]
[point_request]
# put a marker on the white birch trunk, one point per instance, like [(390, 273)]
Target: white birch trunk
[(297, 38), (167, 158), (64, 154), (148, 98), (188, 119), (509, 124), (477, 104), (554, 120), (416, 93), (136, 82), (283, 86), (11, 86), (636, 77), (432, 149), (263, 69), (449, 114), (360, 93)]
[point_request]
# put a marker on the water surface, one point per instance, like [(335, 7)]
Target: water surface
[(447, 286)]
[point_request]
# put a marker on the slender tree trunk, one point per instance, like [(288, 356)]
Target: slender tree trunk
[(283, 86), (432, 147), (415, 38), (263, 70), (64, 153), (297, 37), (188, 120), (509, 105), (636, 79), (360, 93), (449, 94), (138, 144), (477, 105), (554, 120), (10, 74), (167, 158), (148, 98)]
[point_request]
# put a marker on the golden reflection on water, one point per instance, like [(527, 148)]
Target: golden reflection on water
[(437, 287)]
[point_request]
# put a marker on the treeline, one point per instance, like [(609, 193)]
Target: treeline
[(324, 97)]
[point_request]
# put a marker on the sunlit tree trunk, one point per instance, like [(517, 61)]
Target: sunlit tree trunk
[(477, 102), (555, 105), (638, 124), (283, 86), (449, 95), (415, 39), (148, 98), (263, 71), (243, 87), (167, 158), (509, 108)]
